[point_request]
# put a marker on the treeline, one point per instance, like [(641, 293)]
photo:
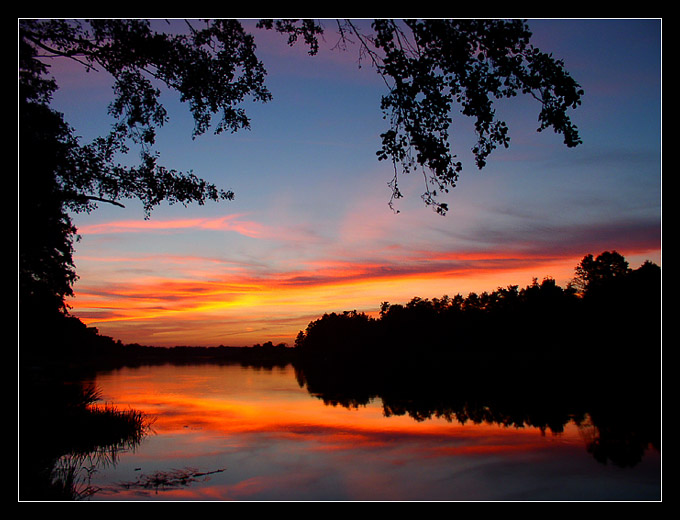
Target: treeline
[(607, 308), (264, 355), (65, 340)]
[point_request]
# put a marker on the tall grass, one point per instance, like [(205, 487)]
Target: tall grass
[(66, 434), (104, 431)]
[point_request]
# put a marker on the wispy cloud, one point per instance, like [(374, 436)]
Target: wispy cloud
[(266, 303), (171, 298), (244, 296), (234, 223)]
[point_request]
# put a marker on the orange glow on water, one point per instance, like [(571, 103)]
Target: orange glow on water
[(202, 399), (270, 436)]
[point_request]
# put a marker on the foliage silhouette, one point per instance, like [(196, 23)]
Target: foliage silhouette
[(58, 174), (428, 66), (593, 274)]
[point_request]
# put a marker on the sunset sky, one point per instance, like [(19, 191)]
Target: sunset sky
[(310, 230)]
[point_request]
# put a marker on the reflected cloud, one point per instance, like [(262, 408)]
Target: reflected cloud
[(276, 441), (200, 408)]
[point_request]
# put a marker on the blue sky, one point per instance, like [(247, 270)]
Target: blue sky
[(310, 230)]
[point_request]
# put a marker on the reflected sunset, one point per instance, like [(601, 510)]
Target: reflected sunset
[(229, 418), (206, 402)]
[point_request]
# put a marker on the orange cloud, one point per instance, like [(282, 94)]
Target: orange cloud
[(245, 295), (253, 304)]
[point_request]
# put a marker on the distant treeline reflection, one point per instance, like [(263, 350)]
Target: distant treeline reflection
[(616, 405)]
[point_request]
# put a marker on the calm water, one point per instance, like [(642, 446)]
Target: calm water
[(254, 434)]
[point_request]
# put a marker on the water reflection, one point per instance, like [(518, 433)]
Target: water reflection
[(618, 412), (241, 433)]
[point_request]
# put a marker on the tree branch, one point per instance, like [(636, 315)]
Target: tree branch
[(82, 198)]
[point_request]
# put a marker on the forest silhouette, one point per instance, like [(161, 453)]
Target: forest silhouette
[(605, 308)]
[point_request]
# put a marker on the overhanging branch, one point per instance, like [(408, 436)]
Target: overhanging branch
[(84, 198)]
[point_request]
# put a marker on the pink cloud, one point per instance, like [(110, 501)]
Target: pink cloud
[(227, 223)]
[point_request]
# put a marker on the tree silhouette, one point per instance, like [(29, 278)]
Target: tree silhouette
[(213, 69), (466, 62), (428, 66), (619, 312), (594, 273)]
